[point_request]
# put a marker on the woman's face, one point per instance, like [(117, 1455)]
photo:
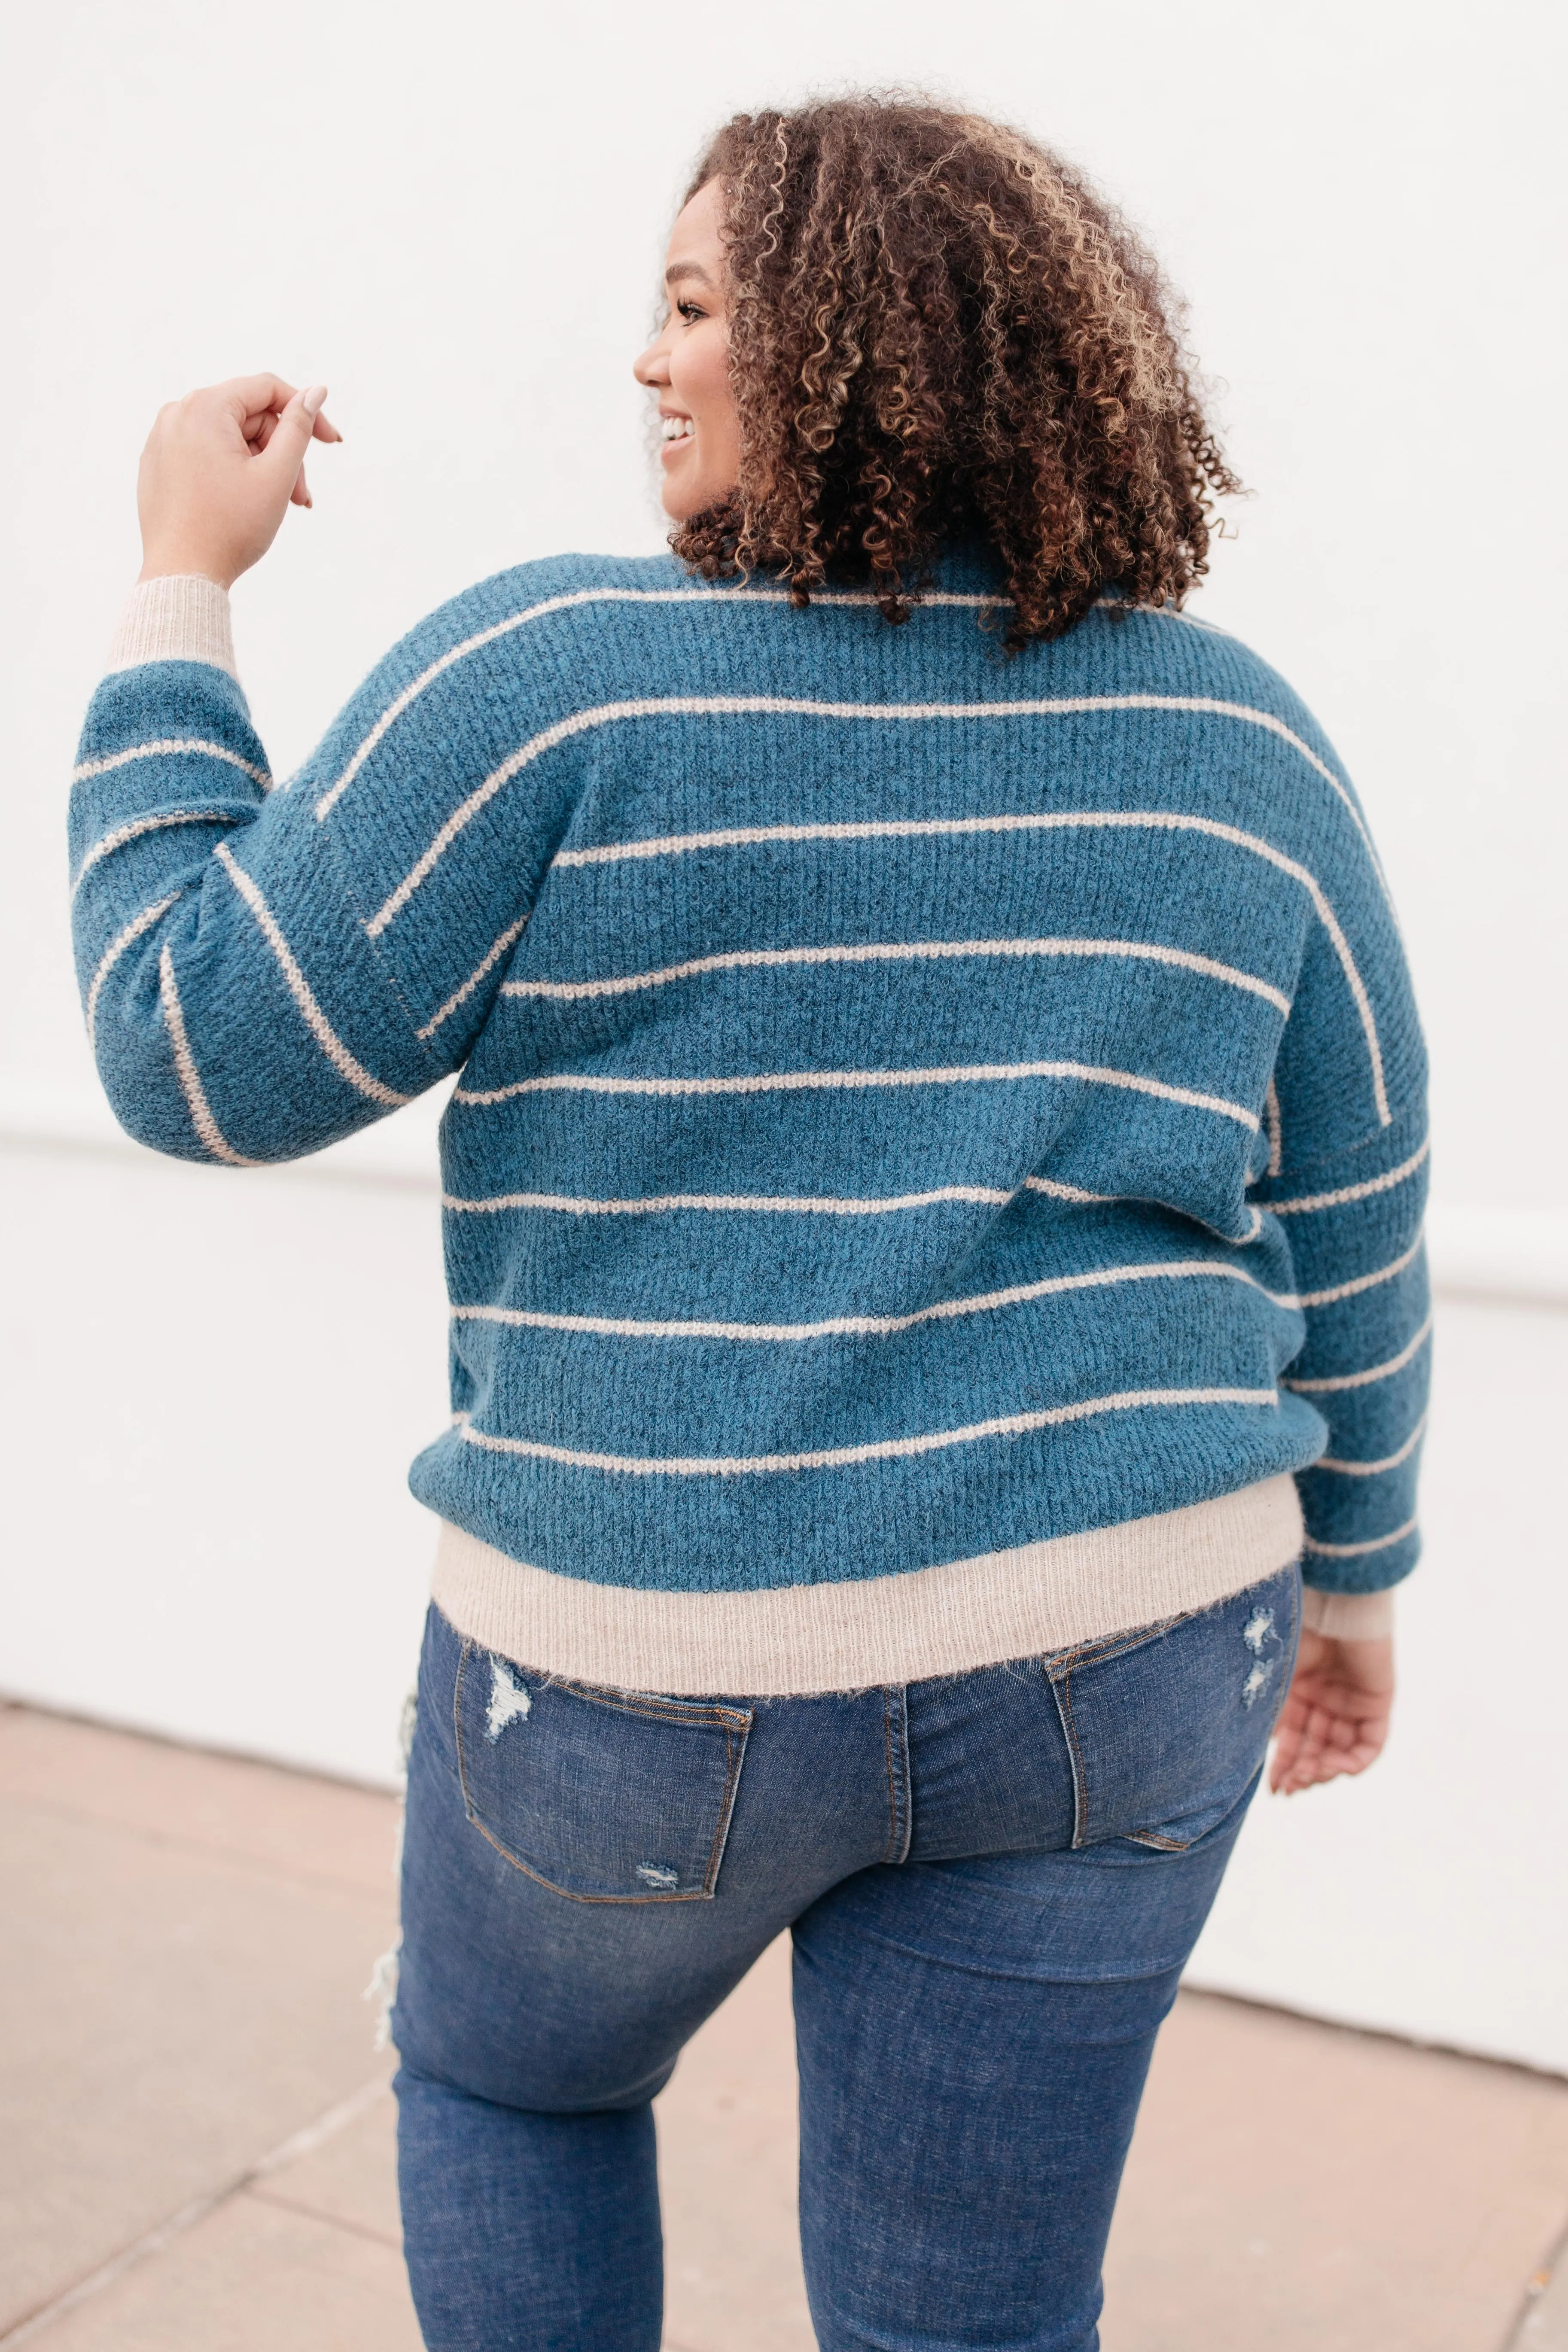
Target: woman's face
[(688, 366)]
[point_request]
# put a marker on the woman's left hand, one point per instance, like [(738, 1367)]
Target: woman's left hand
[(220, 470), (1335, 1716)]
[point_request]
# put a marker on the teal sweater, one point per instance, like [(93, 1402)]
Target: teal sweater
[(911, 1101)]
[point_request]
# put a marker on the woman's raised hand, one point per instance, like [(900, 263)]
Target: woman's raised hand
[(1335, 1716), (219, 468)]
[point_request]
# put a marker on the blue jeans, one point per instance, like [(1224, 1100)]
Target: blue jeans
[(993, 1880)]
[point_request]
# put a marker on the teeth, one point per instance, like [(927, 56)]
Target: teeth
[(677, 428)]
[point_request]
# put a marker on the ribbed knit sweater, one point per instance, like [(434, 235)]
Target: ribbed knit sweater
[(939, 1140)]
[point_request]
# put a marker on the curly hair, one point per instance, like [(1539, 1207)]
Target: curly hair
[(938, 331)]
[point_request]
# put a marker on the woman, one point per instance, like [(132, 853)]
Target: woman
[(933, 1196)]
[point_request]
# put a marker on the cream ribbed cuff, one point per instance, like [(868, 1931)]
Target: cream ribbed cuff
[(1348, 1616), (183, 617)]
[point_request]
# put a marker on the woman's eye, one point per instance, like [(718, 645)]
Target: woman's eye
[(688, 311)]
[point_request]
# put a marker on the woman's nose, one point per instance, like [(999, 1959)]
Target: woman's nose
[(652, 367)]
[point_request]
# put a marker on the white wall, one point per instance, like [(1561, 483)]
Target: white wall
[(211, 1383)]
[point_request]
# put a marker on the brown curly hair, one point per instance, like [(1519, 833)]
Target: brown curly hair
[(938, 331)]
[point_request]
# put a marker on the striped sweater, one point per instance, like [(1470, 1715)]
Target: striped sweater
[(936, 1161)]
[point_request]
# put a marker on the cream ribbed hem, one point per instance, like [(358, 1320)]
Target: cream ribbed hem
[(1348, 1616), (183, 617), (882, 1629)]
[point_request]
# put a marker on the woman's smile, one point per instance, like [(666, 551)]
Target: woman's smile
[(688, 366)]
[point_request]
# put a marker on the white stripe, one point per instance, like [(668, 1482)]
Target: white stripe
[(749, 836), (793, 1204), (894, 951), (1375, 1469), (771, 1205), (1275, 1131), (870, 1327), (116, 948), (836, 1457), (597, 596), (133, 832), (1356, 1550), (682, 596), (321, 1028), (1165, 613), (1113, 1200), (474, 978), (1351, 1192), (790, 1081), (696, 706), (207, 1129), (1066, 1191), (677, 845), (1363, 1281), (1363, 1380), (164, 746)]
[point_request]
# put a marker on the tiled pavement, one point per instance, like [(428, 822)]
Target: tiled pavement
[(196, 2138)]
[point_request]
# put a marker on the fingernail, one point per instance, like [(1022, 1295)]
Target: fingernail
[(311, 401)]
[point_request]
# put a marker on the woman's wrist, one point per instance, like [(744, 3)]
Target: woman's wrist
[(186, 564), (1348, 1616)]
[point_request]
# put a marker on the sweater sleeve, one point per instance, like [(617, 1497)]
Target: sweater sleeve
[(1347, 1180), (239, 1003)]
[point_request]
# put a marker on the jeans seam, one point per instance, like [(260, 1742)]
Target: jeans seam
[(735, 1751), (896, 1753), (1061, 1691), (458, 1723)]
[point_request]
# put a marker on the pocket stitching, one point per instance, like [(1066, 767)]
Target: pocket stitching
[(1059, 1669), (1112, 1645), (735, 1750), (729, 1719), (658, 1710)]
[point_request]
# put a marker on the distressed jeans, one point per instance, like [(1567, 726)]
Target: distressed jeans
[(993, 1880)]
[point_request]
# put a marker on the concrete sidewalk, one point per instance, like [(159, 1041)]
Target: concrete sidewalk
[(196, 2137)]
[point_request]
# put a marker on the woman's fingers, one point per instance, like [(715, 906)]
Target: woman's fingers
[(1321, 1747), (291, 435), (1299, 1757), (254, 395), (1336, 1713), (220, 470), (1335, 1717), (259, 429)]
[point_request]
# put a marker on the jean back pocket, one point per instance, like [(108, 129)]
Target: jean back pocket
[(606, 1796), (1167, 1728)]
